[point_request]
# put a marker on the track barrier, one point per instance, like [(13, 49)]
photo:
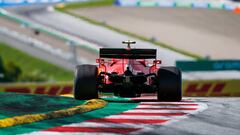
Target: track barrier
[(212, 88), (209, 65), (237, 10), (58, 34), (38, 88), (207, 4), (216, 88), (7, 3)]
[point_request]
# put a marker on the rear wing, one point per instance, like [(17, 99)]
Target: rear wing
[(128, 53)]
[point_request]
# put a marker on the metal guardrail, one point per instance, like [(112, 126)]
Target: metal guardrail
[(68, 38), (71, 41), (35, 43)]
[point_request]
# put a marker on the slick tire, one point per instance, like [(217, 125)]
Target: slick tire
[(85, 82), (169, 84)]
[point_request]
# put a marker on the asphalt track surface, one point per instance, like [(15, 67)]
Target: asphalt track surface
[(99, 35), (192, 116), (199, 31)]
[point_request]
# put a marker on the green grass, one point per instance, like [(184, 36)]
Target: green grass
[(111, 109), (94, 3), (18, 104), (30, 64), (66, 9)]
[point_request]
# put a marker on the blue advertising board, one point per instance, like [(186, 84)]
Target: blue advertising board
[(6, 3), (210, 4)]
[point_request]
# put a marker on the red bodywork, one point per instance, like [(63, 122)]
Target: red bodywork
[(119, 66)]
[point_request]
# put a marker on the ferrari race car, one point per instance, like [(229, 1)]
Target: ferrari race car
[(127, 73)]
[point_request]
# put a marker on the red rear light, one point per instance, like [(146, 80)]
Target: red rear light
[(157, 62), (100, 61), (97, 60)]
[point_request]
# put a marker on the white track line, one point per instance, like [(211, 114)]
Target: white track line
[(67, 133), (97, 124), (162, 111), (144, 117), (167, 106), (188, 102)]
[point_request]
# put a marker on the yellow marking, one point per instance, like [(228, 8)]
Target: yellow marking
[(67, 95), (86, 107)]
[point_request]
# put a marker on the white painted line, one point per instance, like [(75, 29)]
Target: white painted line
[(161, 111), (188, 102), (67, 133), (97, 124), (144, 117), (163, 106)]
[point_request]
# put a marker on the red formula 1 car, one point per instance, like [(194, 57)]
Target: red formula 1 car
[(128, 73)]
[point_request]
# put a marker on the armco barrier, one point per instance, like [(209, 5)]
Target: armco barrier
[(58, 34), (216, 88), (210, 4)]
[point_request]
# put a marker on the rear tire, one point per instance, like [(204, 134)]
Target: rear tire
[(169, 84), (85, 82)]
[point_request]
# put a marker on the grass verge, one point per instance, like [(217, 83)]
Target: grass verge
[(98, 3), (88, 106), (29, 63), (93, 3)]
